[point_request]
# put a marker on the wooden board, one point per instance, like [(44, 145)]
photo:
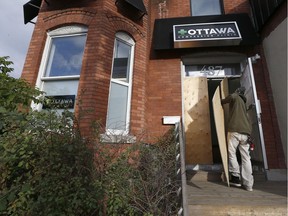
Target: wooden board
[(197, 121), (224, 93), (220, 129)]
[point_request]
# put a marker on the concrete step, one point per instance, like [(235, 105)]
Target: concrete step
[(236, 210), (209, 195), (216, 198), (217, 176)]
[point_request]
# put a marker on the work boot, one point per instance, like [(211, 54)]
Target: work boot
[(235, 181), (247, 188)]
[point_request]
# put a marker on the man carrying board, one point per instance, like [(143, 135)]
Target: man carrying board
[(239, 130)]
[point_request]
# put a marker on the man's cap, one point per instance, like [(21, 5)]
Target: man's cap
[(241, 90)]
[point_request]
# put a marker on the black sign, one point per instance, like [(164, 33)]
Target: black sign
[(206, 34), (59, 102)]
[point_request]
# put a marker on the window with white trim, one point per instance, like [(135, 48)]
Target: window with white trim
[(118, 115), (206, 7), (61, 67)]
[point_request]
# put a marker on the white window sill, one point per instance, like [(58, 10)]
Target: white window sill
[(112, 138)]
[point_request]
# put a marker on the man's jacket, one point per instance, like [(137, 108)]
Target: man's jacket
[(238, 119)]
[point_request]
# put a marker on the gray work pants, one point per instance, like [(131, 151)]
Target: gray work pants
[(240, 140)]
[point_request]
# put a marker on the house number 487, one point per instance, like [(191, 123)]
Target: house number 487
[(211, 70)]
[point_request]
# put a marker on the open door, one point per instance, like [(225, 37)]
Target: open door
[(254, 112)]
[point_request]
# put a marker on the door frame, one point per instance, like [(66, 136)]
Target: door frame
[(200, 58)]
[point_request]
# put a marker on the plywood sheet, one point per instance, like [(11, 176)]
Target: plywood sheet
[(197, 121), (220, 129), (224, 93)]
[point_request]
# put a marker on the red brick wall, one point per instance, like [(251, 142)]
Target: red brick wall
[(164, 93), (236, 6), (181, 8)]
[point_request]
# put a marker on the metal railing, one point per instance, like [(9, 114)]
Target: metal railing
[(181, 170)]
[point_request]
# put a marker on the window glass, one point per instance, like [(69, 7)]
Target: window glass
[(69, 87), (205, 7), (121, 61), (61, 89), (117, 107), (65, 57)]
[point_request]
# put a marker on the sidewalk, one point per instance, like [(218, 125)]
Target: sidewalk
[(209, 198)]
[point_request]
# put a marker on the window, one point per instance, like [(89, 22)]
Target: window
[(206, 7), (118, 116), (61, 66)]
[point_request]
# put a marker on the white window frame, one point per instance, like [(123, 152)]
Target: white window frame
[(65, 31), (125, 38)]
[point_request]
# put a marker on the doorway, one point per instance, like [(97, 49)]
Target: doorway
[(202, 74)]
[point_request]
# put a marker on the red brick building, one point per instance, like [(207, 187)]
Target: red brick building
[(137, 64)]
